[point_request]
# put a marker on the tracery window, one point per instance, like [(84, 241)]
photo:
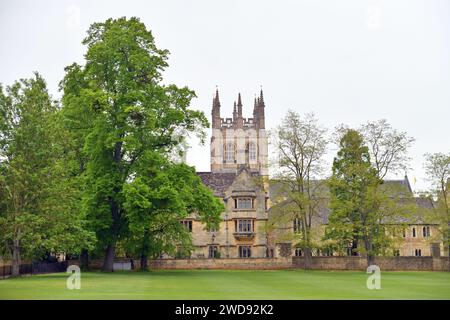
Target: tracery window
[(252, 151), (229, 152)]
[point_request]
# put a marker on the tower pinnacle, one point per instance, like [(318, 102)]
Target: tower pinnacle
[(239, 105), (260, 111), (215, 112)]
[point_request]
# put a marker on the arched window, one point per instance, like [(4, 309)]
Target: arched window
[(414, 232), (252, 151), (426, 231), (297, 225), (229, 152)]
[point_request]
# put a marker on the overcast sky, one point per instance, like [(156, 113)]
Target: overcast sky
[(348, 61)]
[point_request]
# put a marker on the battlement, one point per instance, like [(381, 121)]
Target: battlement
[(229, 123), (237, 141), (238, 121)]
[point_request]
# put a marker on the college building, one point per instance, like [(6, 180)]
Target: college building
[(239, 176)]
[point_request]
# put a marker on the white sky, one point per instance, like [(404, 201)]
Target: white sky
[(348, 61)]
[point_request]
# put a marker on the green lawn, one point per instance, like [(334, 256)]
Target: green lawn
[(230, 284)]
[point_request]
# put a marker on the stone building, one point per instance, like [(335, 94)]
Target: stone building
[(418, 234), (239, 176)]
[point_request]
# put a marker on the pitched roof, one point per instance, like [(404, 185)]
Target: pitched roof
[(402, 184), (219, 182), (400, 189)]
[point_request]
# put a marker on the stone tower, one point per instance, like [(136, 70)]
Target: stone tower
[(239, 142)]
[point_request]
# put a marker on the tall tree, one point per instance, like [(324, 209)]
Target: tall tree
[(156, 201), (353, 220), (300, 145), (33, 219), (388, 153), (132, 112), (76, 121), (388, 147), (437, 166)]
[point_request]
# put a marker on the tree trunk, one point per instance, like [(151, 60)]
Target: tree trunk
[(109, 257), (354, 248), (308, 258), (370, 259), (115, 214), (448, 249), (84, 259), (448, 238), (144, 263), (114, 230), (15, 269), (369, 253), (144, 250)]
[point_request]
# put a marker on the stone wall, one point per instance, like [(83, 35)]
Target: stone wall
[(226, 263), (4, 262), (385, 263), (223, 263), (317, 263)]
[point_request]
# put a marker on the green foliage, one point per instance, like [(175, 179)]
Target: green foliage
[(100, 166), (367, 215), (437, 166), (156, 201), (353, 186), (125, 123), (37, 207), (300, 145)]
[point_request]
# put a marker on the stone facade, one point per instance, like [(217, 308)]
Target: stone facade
[(418, 239), (316, 263), (239, 141), (419, 234), (239, 176), (385, 263), (242, 224), (223, 263)]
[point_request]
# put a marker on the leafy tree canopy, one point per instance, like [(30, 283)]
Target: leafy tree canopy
[(122, 115)]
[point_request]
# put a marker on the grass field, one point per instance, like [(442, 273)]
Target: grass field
[(230, 284)]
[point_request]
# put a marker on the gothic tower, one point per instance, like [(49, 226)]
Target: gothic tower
[(239, 141)]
